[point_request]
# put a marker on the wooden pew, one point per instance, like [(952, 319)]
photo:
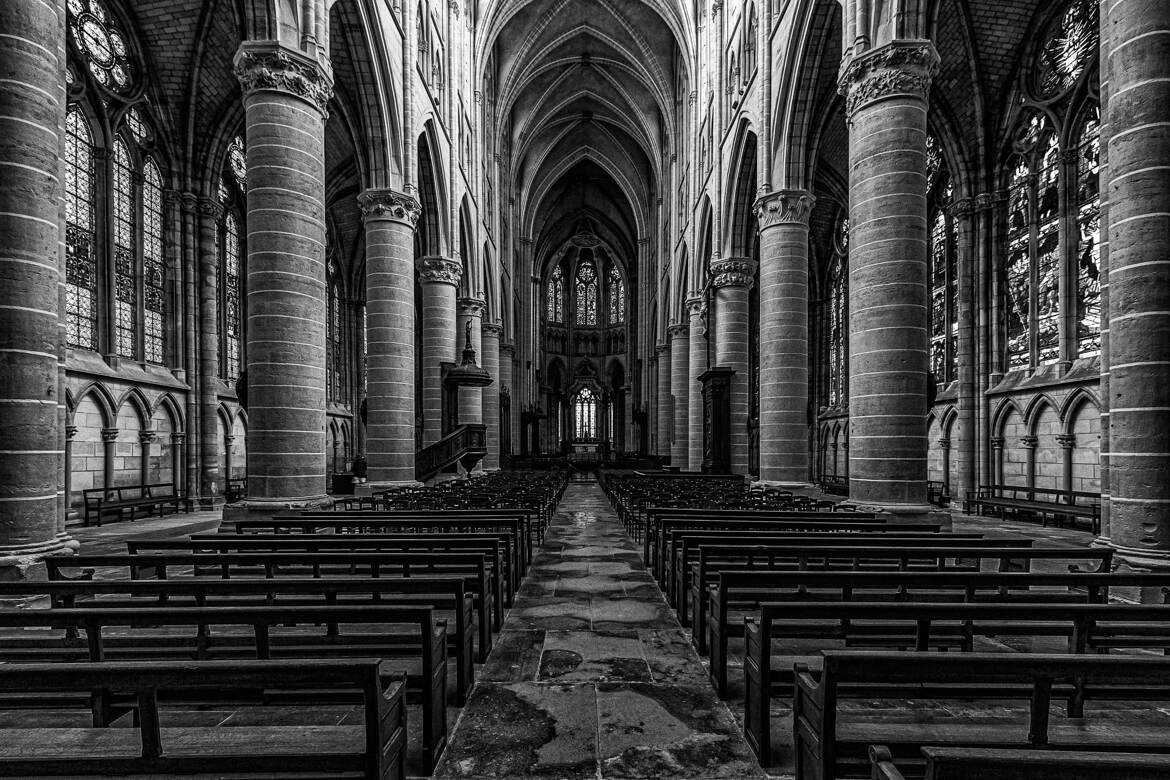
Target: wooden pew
[(962, 763), (499, 554), (832, 744), (450, 598), (1045, 502), (473, 568), (242, 633), (123, 499), (1076, 628), (376, 749)]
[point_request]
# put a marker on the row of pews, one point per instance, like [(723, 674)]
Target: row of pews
[(284, 647), (903, 650)]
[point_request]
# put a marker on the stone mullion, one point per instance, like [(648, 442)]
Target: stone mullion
[(697, 365), (732, 282), (1137, 57), (986, 336), (888, 342), (963, 442), (285, 94), (665, 410), (183, 207), (439, 278), (390, 220), (680, 356), (491, 361), (31, 115), (211, 481), (784, 336), (471, 311)]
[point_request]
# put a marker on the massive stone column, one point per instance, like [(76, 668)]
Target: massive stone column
[(490, 360), (439, 277), (211, 481), (390, 218), (963, 448), (31, 112), (285, 95), (886, 91), (1136, 56), (696, 366), (732, 280), (680, 386), (665, 407), (471, 311), (784, 333), (508, 384)]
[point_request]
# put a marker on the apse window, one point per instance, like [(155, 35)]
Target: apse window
[(585, 415)]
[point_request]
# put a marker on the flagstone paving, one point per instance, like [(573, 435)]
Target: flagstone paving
[(592, 676)]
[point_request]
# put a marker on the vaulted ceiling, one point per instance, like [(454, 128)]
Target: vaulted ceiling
[(586, 95)]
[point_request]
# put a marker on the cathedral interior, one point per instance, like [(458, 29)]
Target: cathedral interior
[(557, 278)]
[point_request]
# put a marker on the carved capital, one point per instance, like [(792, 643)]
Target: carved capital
[(491, 330), (472, 307), (210, 207), (173, 199), (696, 306), (964, 207), (110, 435), (662, 349), (679, 330), (147, 436), (508, 350), (784, 207), (388, 204), (985, 201), (997, 442), (944, 444), (178, 437), (438, 270), (1067, 440), (262, 65), (70, 432), (189, 200), (229, 441), (1029, 441), (733, 272), (899, 69)]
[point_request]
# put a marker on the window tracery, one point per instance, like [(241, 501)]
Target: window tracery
[(617, 297), (838, 319), (81, 259), (555, 306), (585, 404), (101, 42), (944, 316), (586, 292), (153, 265), (125, 230)]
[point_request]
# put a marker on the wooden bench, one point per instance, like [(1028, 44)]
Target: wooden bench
[(234, 489), (128, 499), (497, 552), (450, 598), (726, 548), (1047, 503), (938, 493), (831, 743), (833, 485), (963, 763), (816, 626), (242, 633), (655, 516), (376, 749)]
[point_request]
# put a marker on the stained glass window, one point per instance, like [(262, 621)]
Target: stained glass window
[(1088, 238), (81, 260), (125, 262), (238, 162), (153, 265), (943, 269), (1068, 46), (1018, 268), (586, 292), (1048, 253), (99, 38), (837, 330), (555, 308), (334, 359), (585, 414), (232, 301), (617, 297)]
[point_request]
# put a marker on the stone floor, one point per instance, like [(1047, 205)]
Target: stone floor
[(592, 677)]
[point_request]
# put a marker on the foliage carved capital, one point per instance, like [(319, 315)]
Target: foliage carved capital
[(267, 66), (438, 270), (388, 204), (784, 207), (899, 69), (679, 330), (733, 272)]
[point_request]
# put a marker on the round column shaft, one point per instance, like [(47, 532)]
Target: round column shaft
[(439, 277), (471, 398), (31, 113), (665, 416), (1136, 57), (285, 94), (490, 360), (696, 366), (212, 483), (732, 280), (886, 105), (680, 384), (783, 220), (390, 218)]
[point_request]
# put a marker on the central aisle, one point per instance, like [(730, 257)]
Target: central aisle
[(592, 675)]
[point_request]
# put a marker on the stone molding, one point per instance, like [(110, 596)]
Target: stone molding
[(178, 438), (439, 270), (997, 442), (733, 272), (1066, 440), (662, 348), (110, 435), (70, 432), (784, 207), (1030, 441), (472, 307), (679, 330), (147, 436), (210, 207), (964, 207), (388, 204), (492, 330), (898, 69), (265, 65), (696, 306), (985, 201)]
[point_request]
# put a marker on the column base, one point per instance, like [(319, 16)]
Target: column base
[(925, 514), (369, 488), (1137, 559), (266, 508), (25, 563), (778, 483)]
